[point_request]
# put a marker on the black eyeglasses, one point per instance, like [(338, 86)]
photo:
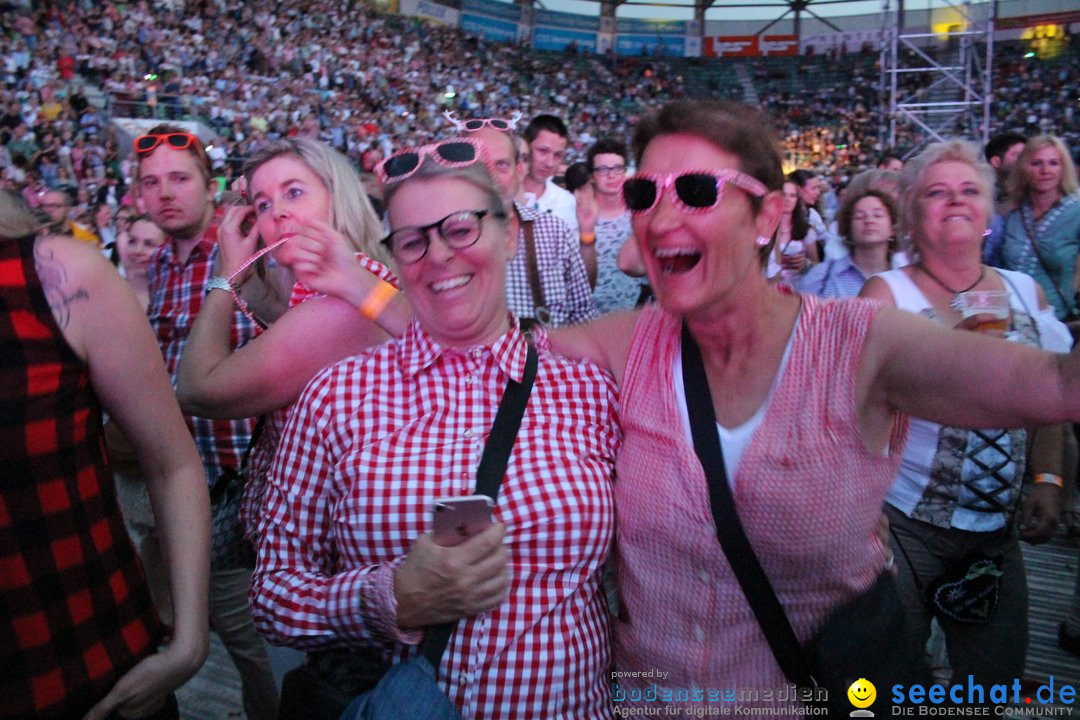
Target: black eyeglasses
[(449, 153), (458, 230), (695, 191), (605, 170)]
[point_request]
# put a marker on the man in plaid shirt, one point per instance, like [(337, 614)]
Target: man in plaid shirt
[(564, 285), (176, 186)]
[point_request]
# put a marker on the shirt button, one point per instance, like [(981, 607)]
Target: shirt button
[(468, 379), (699, 634), (467, 433), (465, 678), (703, 576)]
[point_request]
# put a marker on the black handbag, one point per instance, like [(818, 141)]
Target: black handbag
[(968, 591), (864, 639), (362, 688)]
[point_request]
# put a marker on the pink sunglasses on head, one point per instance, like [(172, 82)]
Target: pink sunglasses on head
[(457, 152)]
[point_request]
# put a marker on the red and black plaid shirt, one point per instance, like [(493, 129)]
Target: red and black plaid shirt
[(76, 613), (176, 295)]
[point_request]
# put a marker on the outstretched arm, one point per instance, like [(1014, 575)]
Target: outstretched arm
[(103, 323), (604, 341), (963, 379)]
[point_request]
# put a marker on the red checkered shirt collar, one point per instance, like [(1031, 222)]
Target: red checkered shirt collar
[(202, 249), (417, 350)]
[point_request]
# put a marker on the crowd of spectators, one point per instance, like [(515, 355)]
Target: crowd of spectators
[(366, 82)]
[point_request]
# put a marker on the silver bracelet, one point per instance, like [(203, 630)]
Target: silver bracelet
[(219, 283)]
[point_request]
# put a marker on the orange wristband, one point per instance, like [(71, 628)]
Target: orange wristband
[(1050, 479), (588, 238), (377, 300)]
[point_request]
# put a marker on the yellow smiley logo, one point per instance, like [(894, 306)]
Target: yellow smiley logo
[(862, 693)]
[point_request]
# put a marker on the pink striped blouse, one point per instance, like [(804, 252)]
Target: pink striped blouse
[(807, 491)]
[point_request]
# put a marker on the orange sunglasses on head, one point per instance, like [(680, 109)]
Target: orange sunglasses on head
[(176, 140)]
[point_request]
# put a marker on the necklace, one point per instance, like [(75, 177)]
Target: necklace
[(954, 303)]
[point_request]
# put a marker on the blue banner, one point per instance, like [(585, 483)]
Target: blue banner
[(634, 26), (491, 8), (671, 46), (553, 39), (547, 18), (489, 28)]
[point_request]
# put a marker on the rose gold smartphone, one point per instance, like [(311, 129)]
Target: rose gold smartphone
[(455, 520)]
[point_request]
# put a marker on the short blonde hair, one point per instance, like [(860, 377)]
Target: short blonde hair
[(911, 177), (1018, 184)]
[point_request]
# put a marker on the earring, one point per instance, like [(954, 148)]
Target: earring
[(987, 232), (762, 241)]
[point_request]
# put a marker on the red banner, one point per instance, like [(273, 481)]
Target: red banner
[(731, 46), (750, 45), (779, 45)]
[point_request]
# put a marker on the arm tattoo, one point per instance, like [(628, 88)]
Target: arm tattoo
[(54, 278)]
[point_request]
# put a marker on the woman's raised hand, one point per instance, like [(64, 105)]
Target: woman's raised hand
[(235, 245), (588, 210), (323, 260), (439, 584)]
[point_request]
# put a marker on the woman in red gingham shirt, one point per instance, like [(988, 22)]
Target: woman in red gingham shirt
[(375, 439)]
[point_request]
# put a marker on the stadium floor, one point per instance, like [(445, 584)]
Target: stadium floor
[(214, 694)]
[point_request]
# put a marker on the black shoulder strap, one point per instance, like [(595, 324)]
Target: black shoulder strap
[(729, 530), (489, 475)]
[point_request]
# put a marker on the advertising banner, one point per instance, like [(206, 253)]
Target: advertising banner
[(430, 10), (501, 10), (778, 45), (569, 21), (656, 45), (636, 26), (495, 30), (731, 46), (750, 45), (547, 38)]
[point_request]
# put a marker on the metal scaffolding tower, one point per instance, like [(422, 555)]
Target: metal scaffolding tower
[(936, 85)]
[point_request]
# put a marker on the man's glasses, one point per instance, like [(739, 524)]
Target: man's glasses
[(480, 123), (177, 141), (695, 192), (605, 170), (458, 230), (458, 152)]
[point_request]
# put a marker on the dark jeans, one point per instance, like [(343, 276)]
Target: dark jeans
[(994, 652)]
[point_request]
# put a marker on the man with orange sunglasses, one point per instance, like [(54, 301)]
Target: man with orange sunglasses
[(177, 189)]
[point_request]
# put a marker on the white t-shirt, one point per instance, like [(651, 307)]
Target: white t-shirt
[(557, 201)]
